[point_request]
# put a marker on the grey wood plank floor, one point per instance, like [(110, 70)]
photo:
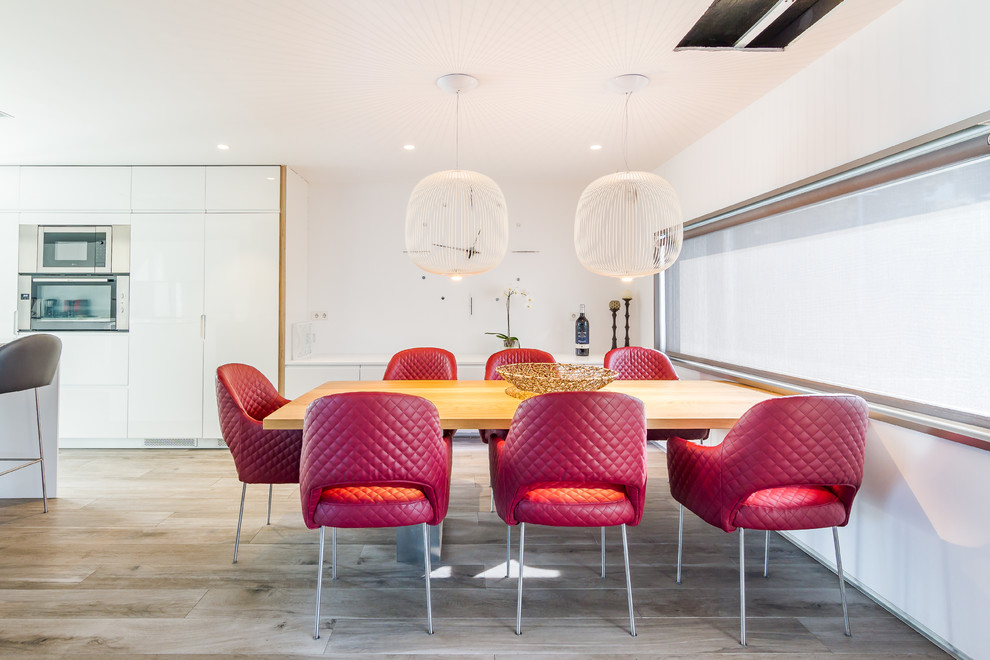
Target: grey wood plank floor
[(134, 559)]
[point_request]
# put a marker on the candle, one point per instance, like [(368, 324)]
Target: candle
[(627, 295)]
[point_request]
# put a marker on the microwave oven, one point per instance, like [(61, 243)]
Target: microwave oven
[(72, 302), (71, 249)]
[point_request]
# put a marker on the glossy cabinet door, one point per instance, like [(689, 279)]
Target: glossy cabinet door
[(75, 189), (166, 325), (8, 275), (243, 188), (241, 303), (157, 189)]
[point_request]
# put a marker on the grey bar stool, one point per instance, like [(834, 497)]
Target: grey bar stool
[(30, 363)]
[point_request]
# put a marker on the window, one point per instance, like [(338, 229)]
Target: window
[(874, 281)]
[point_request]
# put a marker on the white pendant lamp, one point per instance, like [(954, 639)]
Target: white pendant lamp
[(456, 220), (628, 224)]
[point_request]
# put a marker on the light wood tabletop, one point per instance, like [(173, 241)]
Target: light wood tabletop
[(473, 404)]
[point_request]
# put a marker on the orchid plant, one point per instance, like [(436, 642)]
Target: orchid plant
[(508, 340)]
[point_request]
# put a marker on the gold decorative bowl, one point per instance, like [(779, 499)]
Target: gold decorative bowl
[(529, 379)]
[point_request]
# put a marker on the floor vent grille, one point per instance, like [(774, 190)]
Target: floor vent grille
[(221, 443), (174, 443)]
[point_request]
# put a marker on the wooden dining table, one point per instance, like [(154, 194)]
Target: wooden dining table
[(484, 404)]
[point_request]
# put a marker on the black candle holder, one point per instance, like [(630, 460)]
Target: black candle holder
[(627, 301), (613, 306)]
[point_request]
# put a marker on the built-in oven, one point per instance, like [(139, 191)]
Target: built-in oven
[(73, 302), (66, 249)]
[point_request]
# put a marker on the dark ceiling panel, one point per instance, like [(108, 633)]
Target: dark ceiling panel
[(726, 21)]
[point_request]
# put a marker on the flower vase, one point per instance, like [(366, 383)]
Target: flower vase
[(510, 343)]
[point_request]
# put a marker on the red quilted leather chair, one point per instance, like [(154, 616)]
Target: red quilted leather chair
[(244, 398), (373, 459), (496, 360), (638, 363), (573, 459), (789, 463), (424, 363)]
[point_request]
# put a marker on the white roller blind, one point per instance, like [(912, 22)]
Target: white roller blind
[(886, 290)]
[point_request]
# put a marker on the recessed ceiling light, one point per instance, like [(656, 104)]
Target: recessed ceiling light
[(596, 147), (409, 147), (223, 147), (270, 178)]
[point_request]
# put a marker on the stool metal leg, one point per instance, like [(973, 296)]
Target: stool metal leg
[(603, 553), (742, 586), (41, 450), (426, 560), (508, 548), (522, 546), (842, 580), (269, 521), (680, 541), (333, 575), (319, 584), (766, 555), (237, 539), (625, 556)]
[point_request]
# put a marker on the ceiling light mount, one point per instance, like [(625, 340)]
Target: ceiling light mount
[(453, 83), (628, 83)]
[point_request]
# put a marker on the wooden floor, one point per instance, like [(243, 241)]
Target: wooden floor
[(134, 559)]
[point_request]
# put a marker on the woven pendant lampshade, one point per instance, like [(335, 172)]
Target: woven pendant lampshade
[(628, 224), (456, 220)]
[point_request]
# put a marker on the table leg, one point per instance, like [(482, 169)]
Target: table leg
[(409, 543)]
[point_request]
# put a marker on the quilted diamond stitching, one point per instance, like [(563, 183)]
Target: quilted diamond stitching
[(796, 441), (502, 358), (373, 439), (422, 364), (580, 438), (244, 398)]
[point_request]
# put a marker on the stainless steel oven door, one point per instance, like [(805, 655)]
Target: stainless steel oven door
[(72, 303)]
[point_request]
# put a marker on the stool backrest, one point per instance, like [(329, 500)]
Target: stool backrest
[(29, 362)]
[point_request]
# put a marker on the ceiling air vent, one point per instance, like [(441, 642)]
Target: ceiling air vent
[(754, 24)]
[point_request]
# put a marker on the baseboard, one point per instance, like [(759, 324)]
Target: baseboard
[(141, 443)]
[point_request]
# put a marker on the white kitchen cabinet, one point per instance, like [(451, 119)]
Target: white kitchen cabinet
[(10, 177), (8, 275), (243, 188), (92, 411), (93, 358), (241, 308), (300, 379), (204, 291), (75, 188), (168, 189), (166, 363)]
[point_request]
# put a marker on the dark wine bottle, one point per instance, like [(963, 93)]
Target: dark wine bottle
[(582, 337)]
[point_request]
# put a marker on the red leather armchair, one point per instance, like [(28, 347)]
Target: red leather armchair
[(372, 459), (638, 363), (422, 364), (244, 398), (789, 463), (496, 360), (573, 459)]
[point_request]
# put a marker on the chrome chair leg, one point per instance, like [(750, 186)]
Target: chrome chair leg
[(269, 521), (237, 539), (319, 584), (508, 549), (491, 502), (603, 553), (625, 557), (742, 586), (41, 450), (522, 545), (766, 555), (680, 541), (426, 560), (842, 580), (333, 569)]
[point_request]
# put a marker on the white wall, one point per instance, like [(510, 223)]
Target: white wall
[(379, 302), (919, 537), (296, 252)]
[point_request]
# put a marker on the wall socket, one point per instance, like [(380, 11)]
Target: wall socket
[(318, 316)]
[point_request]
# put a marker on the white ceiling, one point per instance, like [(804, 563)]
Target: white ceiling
[(335, 88)]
